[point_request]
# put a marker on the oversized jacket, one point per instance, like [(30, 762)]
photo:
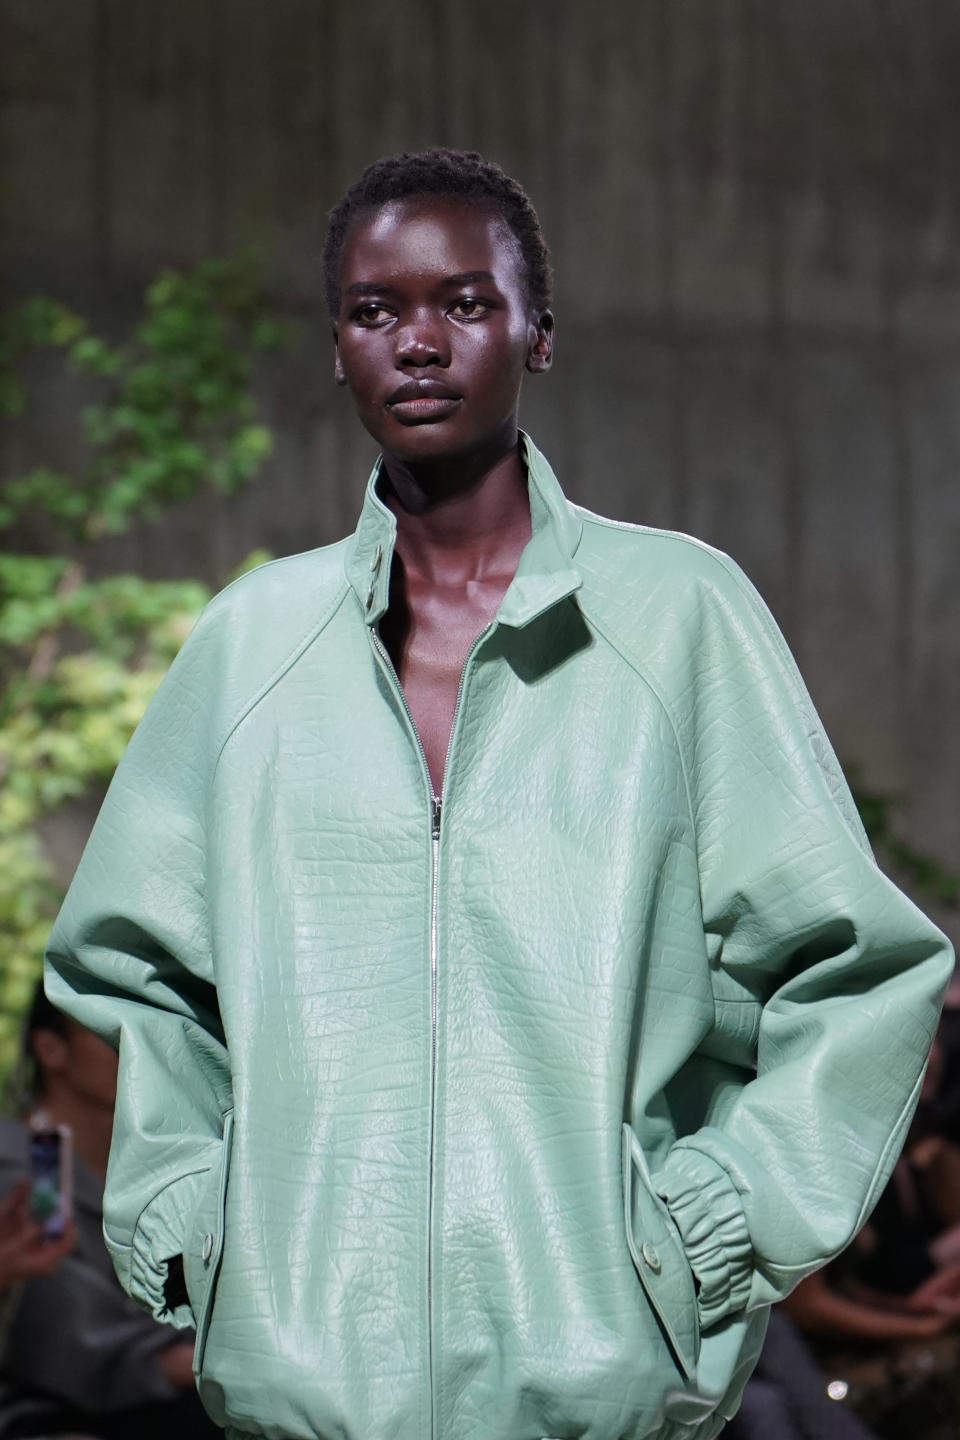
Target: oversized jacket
[(506, 1119)]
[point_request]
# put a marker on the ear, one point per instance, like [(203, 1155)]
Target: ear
[(540, 353), (338, 374)]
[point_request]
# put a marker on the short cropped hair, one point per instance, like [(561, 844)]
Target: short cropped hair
[(25, 1087), (461, 173)]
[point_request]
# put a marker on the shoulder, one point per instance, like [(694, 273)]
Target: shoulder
[(267, 614), (245, 638), (676, 579), (285, 593), (687, 617)]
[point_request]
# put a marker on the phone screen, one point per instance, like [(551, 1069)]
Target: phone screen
[(50, 1180)]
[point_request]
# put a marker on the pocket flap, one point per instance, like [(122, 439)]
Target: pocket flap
[(659, 1257)]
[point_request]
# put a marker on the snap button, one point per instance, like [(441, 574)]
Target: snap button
[(207, 1250), (650, 1256), (377, 557)]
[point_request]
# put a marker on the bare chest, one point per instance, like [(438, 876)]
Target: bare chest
[(429, 641)]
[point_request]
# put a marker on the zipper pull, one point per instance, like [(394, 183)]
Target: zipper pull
[(436, 809)]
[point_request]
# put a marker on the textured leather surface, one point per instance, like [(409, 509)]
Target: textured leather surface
[(655, 909)]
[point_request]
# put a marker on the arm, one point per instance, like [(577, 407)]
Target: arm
[(804, 930), (76, 1336), (822, 1311), (945, 1249), (24, 1253), (130, 957)]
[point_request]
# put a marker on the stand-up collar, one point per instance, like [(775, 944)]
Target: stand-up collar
[(545, 574)]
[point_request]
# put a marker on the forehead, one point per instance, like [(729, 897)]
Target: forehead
[(430, 236)]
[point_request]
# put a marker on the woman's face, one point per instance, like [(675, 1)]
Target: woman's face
[(435, 328), (78, 1062)]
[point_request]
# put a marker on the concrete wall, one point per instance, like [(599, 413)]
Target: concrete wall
[(754, 209)]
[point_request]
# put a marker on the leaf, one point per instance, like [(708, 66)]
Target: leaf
[(91, 353), (173, 413)]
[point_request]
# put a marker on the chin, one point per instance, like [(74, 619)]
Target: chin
[(426, 442)]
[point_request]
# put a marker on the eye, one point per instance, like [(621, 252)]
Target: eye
[(469, 308), (371, 314)]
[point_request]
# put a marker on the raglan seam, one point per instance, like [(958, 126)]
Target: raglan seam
[(649, 685), (291, 658), (747, 593)]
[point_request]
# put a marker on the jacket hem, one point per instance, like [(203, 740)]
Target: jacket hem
[(709, 1429)]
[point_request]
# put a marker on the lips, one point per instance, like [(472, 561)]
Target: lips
[(417, 401)]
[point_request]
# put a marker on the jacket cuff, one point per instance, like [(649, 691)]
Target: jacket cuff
[(159, 1236), (707, 1211)]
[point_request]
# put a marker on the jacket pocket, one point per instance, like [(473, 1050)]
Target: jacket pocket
[(659, 1257), (203, 1252)]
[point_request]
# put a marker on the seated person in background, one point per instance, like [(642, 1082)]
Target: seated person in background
[(900, 1280), (79, 1355), (941, 1102), (25, 1253)]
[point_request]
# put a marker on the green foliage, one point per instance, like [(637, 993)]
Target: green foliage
[(178, 412), (80, 656), (37, 322), (925, 876)]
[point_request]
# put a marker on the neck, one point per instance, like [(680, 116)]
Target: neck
[(90, 1124), (460, 520)]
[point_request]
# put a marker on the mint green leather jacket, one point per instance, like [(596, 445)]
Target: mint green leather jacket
[(509, 1119)]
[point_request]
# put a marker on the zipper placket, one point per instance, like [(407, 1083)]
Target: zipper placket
[(436, 816)]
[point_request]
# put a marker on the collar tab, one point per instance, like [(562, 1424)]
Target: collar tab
[(371, 552), (545, 575)]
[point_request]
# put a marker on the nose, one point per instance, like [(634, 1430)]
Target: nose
[(421, 342)]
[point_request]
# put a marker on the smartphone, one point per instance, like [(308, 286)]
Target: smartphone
[(51, 1176)]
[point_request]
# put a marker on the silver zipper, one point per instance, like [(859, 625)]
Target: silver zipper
[(436, 817)]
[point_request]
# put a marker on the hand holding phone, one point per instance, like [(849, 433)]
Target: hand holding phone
[(51, 1176), (24, 1253)]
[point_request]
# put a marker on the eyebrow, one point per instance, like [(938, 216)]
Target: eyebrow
[(376, 287), (469, 277)]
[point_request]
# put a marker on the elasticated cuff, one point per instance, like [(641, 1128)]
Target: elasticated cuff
[(706, 1208), (158, 1237)]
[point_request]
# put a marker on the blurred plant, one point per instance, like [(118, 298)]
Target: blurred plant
[(927, 878), (81, 656)]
